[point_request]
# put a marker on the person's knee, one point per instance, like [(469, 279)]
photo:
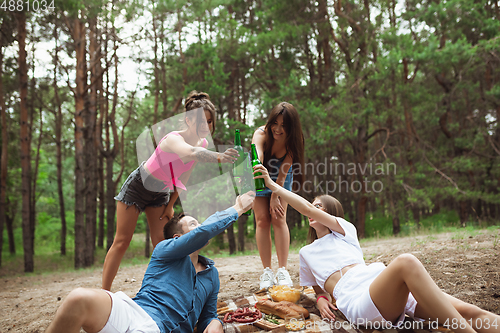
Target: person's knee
[(470, 311), (121, 244), (408, 263), (263, 221), (77, 299), (279, 222)]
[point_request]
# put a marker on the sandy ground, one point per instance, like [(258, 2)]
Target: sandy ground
[(465, 265)]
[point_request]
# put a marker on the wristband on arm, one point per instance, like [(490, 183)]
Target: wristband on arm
[(317, 299)]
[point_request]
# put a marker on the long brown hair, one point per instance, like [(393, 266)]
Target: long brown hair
[(332, 206), (197, 100), (294, 136)]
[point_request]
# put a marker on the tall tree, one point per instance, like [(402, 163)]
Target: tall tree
[(4, 156), (113, 142), (28, 236), (78, 32), (58, 141), (91, 147)]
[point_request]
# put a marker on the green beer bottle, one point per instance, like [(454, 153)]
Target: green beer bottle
[(260, 185), (239, 164), (240, 172)]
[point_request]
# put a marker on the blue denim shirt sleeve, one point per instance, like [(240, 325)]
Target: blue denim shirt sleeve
[(179, 247), (209, 311)]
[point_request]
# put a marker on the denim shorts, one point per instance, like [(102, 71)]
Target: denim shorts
[(142, 194), (273, 172)]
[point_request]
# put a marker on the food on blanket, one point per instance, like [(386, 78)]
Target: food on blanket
[(272, 318), (284, 293), (244, 315), (282, 309), (262, 292), (221, 304), (224, 310), (296, 325), (268, 326), (308, 290), (241, 301)]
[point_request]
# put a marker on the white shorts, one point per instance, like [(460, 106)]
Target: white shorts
[(128, 317), (353, 298)]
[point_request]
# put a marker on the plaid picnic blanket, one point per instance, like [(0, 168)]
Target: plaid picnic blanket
[(312, 325)]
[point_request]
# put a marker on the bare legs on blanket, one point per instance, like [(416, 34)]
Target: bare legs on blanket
[(405, 274)]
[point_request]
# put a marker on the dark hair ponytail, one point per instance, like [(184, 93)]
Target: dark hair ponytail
[(197, 100)]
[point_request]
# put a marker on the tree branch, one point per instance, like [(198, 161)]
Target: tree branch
[(443, 175)]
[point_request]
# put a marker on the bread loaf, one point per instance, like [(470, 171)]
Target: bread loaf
[(282, 309)]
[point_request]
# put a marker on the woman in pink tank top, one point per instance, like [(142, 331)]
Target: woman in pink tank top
[(153, 187)]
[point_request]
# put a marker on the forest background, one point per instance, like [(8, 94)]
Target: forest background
[(399, 102)]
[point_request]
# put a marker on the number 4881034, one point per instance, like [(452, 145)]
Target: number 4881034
[(27, 5)]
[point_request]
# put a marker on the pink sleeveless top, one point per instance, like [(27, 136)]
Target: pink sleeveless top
[(168, 167)]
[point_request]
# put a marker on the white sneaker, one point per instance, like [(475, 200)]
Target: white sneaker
[(267, 279), (283, 277)]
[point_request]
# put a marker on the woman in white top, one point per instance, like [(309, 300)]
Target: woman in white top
[(371, 295)]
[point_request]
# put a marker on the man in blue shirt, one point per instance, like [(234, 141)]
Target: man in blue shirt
[(179, 288)]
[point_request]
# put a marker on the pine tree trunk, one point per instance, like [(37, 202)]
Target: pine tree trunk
[(231, 240), (9, 221), (109, 152), (361, 215), (396, 227), (91, 151), (34, 177), (347, 205), (242, 227), (100, 168), (102, 202), (360, 158), (58, 135), (416, 215), (4, 156), (110, 202), (147, 246), (479, 209), (33, 174), (162, 66), (293, 217), (463, 212), (493, 211), (80, 95), (25, 146)]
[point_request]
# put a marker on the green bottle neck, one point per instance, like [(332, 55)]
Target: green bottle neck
[(254, 152), (237, 138)]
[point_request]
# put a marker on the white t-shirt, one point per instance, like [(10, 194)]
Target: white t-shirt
[(328, 254)]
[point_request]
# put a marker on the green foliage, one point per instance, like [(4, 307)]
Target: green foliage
[(298, 236), (380, 225), (416, 87)]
